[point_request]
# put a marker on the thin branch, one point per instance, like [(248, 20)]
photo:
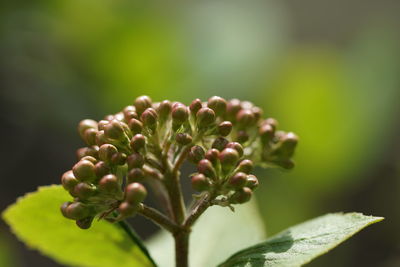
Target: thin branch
[(159, 219), (199, 209)]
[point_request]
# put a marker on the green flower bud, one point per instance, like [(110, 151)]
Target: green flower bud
[(68, 180), (183, 139), (135, 193), (180, 114), (200, 183), (106, 152), (245, 166), (149, 118), (118, 158), (135, 160), (219, 143), (242, 137), (241, 196), (109, 183), (84, 125), (101, 139), (218, 104), (90, 158), (114, 130), (126, 209), (89, 136), (135, 175), (205, 117), (138, 142), (136, 126), (205, 167), (84, 170), (195, 106), (142, 103), (238, 147), (101, 168), (252, 182), (85, 223), (237, 181), (212, 155), (225, 128), (84, 191), (233, 107), (77, 211), (245, 118), (164, 110), (228, 158), (196, 154), (266, 133)]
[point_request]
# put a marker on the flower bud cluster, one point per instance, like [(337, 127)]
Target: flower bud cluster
[(147, 140)]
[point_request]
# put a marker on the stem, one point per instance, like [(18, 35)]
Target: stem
[(182, 249), (199, 209), (159, 219), (176, 196)]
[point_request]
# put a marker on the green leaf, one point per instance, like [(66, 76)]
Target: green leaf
[(36, 220), (217, 233), (302, 243)]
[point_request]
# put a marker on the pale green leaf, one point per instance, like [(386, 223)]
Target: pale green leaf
[(36, 220), (219, 232), (302, 243)]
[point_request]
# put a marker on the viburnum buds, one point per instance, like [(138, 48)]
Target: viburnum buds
[(146, 144)]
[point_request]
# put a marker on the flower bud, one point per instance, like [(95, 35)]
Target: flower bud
[(205, 167), (225, 128), (242, 137), (106, 152), (90, 158), (164, 110), (130, 113), (109, 117), (241, 196), (135, 175), (64, 207), (237, 181), (135, 160), (183, 139), (101, 139), (135, 126), (228, 158), (114, 130), (257, 112), (109, 183), (252, 182), (118, 158), (77, 211), (89, 136), (212, 155), (101, 168), (85, 223), (218, 104), (238, 147), (135, 193), (266, 133), (68, 180), (84, 191), (101, 124), (196, 154), (286, 146), (205, 117), (84, 170), (87, 151), (272, 122), (219, 143), (195, 106), (200, 183), (127, 209), (180, 114), (149, 118), (233, 107), (245, 118), (86, 124), (142, 103), (245, 166), (138, 142)]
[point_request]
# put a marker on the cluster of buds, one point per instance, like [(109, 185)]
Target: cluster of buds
[(147, 141)]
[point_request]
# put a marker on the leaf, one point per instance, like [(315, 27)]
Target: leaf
[(36, 220), (214, 236), (302, 243)]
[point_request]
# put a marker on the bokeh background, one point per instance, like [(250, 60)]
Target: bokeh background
[(328, 70)]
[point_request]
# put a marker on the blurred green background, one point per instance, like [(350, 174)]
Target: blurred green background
[(327, 70)]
